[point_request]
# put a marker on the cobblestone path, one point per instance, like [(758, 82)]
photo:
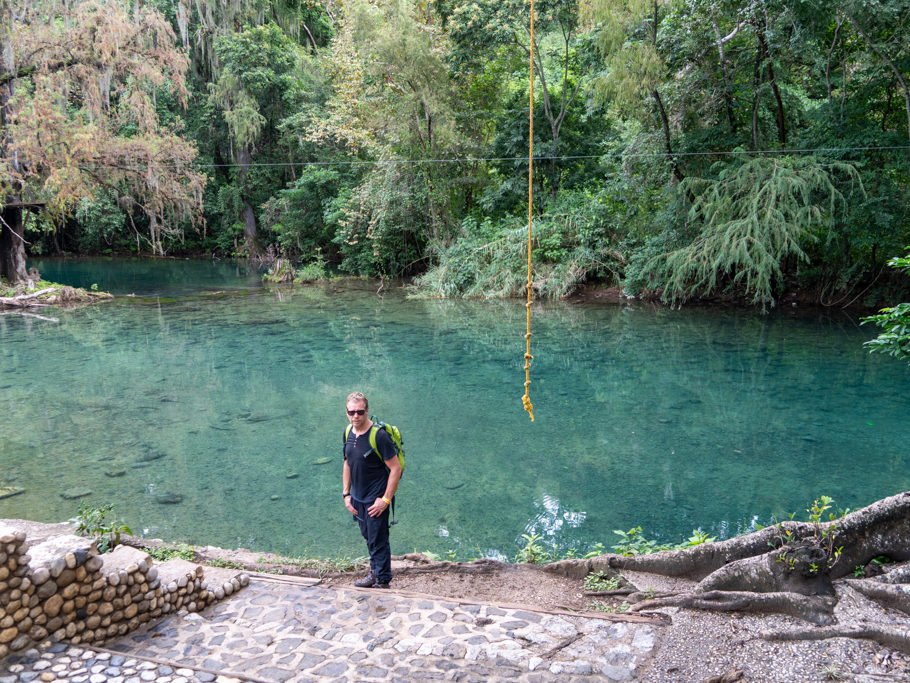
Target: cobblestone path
[(281, 631)]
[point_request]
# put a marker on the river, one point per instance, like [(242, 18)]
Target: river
[(198, 385)]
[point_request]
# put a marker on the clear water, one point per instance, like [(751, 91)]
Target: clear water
[(208, 386)]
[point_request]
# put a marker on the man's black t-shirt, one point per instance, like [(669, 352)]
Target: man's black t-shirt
[(369, 474)]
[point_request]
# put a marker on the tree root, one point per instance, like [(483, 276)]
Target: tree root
[(882, 528), (894, 637), (900, 574), (896, 596), (815, 609)]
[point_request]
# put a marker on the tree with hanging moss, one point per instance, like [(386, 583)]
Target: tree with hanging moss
[(78, 116)]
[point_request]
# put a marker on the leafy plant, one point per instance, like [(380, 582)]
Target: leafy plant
[(221, 562), (95, 522), (698, 537), (532, 552), (632, 542), (598, 606), (895, 320), (599, 581), (816, 553), (313, 271), (163, 553)]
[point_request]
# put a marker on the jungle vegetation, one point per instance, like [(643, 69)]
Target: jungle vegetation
[(686, 149)]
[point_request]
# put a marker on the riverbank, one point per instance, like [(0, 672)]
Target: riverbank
[(688, 645), (41, 293)]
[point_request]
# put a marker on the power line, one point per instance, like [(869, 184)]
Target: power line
[(619, 155), (457, 160)]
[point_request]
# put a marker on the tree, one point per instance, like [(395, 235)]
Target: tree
[(634, 68), (78, 114), (480, 27), (256, 89), (749, 220), (895, 320), (394, 103)]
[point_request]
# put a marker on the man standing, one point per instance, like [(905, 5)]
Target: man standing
[(369, 479)]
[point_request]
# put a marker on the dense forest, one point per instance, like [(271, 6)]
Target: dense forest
[(689, 149)]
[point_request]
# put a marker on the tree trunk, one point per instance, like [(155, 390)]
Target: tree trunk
[(722, 56), (12, 246), (781, 119), (665, 124), (247, 215)]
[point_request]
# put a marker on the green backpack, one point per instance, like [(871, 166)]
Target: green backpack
[(391, 430)]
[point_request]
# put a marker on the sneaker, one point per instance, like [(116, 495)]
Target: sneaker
[(381, 585), (366, 582)]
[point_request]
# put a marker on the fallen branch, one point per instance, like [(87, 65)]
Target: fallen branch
[(618, 591), (815, 609), (23, 300), (894, 637)]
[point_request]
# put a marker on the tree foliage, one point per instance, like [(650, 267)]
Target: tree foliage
[(390, 137), (749, 219), (894, 320), (80, 114)]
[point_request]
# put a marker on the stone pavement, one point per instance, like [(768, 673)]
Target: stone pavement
[(281, 629)]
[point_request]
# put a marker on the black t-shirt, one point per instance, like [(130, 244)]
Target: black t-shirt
[(369, 474)]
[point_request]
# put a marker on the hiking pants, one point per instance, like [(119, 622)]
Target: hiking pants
[(375, 531)]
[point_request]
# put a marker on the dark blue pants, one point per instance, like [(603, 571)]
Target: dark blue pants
[(375, 531)]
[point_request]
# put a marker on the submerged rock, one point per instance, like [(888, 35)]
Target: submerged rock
[(169, 498), (9, 491), (115, 473), (73, 494), (150, 455)]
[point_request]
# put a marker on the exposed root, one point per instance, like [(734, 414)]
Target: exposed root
[(815, 609), (896, 596), (894, 637), (899, 574)]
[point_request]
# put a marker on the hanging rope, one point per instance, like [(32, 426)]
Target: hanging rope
[(526, 399)]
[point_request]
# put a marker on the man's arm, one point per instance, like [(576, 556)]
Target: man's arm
[(379, 505), (346, 486)]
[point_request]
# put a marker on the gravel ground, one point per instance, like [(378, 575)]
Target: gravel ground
[(700, 646)]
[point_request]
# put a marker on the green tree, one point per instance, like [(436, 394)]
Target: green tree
[(479, 28), (748, 221), (257, 87), (895, 320), (105, 133)]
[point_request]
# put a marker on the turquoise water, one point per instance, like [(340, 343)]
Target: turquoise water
[(207, 386)]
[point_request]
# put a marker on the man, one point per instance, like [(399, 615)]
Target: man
[(369, 480)]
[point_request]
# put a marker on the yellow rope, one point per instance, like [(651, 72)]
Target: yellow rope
[(526, 399)]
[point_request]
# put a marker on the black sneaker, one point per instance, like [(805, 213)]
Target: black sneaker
[(381, 585), (366, 582)]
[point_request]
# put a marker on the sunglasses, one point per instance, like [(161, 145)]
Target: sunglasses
[(356, 412)]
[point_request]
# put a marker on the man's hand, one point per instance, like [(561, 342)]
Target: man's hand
[(377, 508), (347, 504)]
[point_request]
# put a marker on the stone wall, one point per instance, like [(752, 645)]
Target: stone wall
[(59, 587)]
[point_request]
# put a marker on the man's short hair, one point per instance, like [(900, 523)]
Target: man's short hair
[(358, 397)]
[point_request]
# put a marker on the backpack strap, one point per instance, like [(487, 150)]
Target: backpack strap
[(344, 439)]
